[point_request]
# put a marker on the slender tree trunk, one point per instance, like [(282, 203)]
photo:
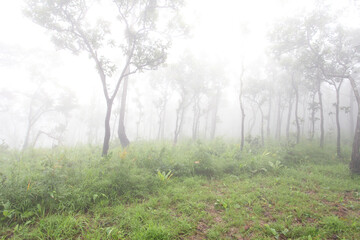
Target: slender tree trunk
[(337, 106), (180, 112), (242, 112), (176, 132), (160, 134), (262, 127), (296, 89), (106, 143), (179, 122), (351, 113), (268, 118), (36, 138), (214, 117), (253, 120), (302, 123), (296, 114), (121, 129), (322, 131), (159, 128), (313, 109), (278, 123), (160, 123), (355, 154), (27, 136), (289, 120), (195, 126), (207, 123), (163, 122), (242, 127), (113, 136)]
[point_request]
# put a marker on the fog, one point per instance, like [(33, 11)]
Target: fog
[(179, 119), (193, 92)]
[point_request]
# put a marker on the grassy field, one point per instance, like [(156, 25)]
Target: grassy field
[(192, 191)]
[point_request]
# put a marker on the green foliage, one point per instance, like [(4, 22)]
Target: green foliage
[(163, 176), (153, 232), (60, 227), (57, 183), (222, 204), (333, 224), (212, 191)]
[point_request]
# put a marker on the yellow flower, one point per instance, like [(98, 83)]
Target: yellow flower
[(123, 154), (28, 187)]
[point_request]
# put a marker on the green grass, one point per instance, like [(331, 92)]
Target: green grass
[(215, 192)]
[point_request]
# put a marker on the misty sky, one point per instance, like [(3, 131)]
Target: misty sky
[(226, 30)]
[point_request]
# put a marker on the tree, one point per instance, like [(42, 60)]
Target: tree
[(341, 63), (65, 103), (302, 39), (141, 43), (40, 104), (161, 88), (181, 76), (43, 102), (257, 92), (334, 54), (241, 101)]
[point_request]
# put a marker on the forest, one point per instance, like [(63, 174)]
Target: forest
[(179, 119)]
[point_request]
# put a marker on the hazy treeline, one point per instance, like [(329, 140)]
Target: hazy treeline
[(303, 87)]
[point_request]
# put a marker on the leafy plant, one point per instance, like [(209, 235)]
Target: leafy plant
[(221, 204), (276, 165), (163, 176)]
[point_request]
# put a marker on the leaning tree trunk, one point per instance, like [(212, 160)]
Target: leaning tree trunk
[(322, 131), (355, 154), (179, 121), (106, 143), (252, 121), (121, 129), (27, 136), (180, 113)]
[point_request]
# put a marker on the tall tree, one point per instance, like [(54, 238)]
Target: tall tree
[(140, 43)]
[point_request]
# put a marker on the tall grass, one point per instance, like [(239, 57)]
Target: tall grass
[(42, 182)]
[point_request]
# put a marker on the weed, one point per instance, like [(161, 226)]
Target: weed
[(163, 176)]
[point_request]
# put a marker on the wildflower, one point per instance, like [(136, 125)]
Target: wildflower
[(28, 186), (123, 154)]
